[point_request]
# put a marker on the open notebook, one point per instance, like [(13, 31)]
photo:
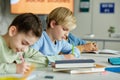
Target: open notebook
[(105, 51)]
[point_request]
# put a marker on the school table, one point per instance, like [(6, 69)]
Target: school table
[(99, 58), (48, 74)]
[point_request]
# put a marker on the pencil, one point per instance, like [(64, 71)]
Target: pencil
[(72, 49), (32, 67), (21, 57)]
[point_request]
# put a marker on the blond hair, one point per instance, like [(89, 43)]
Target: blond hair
[(63, 16)]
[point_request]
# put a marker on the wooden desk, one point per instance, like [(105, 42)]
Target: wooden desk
[(101, 59), (96, 39)]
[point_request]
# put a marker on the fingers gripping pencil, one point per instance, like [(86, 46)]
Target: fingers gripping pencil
[(32, 67)]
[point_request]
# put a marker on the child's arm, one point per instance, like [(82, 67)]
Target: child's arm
[(39, 60), (69, 49), (35, 57), (7, 68), (23, 67)]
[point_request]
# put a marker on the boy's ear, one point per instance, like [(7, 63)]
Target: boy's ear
[(12, 31), (53, 23)]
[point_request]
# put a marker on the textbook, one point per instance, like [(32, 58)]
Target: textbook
[(96, 68), (74, 63), (105, 51)]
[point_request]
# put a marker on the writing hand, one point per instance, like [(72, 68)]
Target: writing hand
[(90, 47), (22, 68), (69, 56)]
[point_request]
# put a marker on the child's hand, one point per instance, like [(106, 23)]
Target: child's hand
[(90, 47), (53, 64), (69, 56), (22, 68)]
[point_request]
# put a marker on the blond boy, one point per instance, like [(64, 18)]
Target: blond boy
[(60, 22)]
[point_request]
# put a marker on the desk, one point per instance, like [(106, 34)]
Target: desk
[(102, 59), (102, 39)]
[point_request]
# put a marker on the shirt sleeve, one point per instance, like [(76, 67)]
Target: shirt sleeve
[(40, 60), (75, 41), (67, 49), (9, 68), (56, 57), (36, 58), (6, 67)]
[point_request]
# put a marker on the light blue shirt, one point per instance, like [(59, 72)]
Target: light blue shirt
[(48, 48), (75, 41)]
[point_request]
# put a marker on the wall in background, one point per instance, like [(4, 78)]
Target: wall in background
[(100, 25), (5, 16), (101, 22)]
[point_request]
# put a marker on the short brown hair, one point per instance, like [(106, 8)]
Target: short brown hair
[(28, 22)]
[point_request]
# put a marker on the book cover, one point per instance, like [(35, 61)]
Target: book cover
[(97, 68), (74, 63)]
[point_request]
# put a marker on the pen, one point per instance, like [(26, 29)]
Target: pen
[(72, 49)]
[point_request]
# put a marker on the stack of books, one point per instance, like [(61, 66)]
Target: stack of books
[(76, 66)]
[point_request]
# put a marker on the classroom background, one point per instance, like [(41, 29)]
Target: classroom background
[(93, 21)]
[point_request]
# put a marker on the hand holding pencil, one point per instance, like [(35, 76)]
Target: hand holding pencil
[(22, 67), (70, 56)]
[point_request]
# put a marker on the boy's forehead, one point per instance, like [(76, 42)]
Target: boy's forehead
[(30, 34), (30, 37)]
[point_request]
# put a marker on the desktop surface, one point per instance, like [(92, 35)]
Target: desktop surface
[(48, 74), (99, 58)]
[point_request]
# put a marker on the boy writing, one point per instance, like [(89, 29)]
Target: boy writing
[(59, 22), (23, 32)]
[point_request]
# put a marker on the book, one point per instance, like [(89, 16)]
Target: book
[(105, 51), (74, 63), (96, 68)]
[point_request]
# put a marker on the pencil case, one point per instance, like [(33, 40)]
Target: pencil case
[(114, 60)]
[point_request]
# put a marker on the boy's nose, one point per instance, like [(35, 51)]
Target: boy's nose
[(22, 50)]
